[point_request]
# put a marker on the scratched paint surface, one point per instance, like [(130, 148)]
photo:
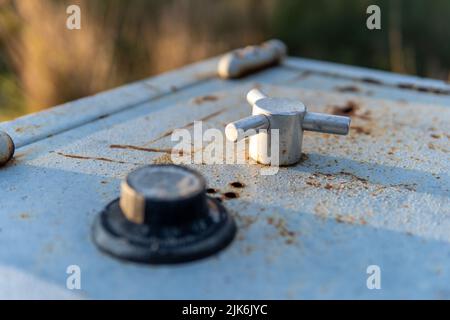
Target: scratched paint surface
[(378, 196)]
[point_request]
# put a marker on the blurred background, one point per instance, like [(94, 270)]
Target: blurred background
[(43, 64)]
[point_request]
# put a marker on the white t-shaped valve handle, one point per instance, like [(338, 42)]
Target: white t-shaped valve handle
[(290, 117)]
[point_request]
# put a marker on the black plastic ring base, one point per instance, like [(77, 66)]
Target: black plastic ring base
[(117, 236)]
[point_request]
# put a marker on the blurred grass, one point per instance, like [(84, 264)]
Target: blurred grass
[(43, 64)]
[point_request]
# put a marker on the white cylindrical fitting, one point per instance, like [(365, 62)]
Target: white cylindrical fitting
[(290, 118), (326, 123), (246, 127), (285, 116), (255, 95), (289, 146), (246, 60), (6, 148)]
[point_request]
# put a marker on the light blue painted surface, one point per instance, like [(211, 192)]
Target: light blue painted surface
[(308, 232)]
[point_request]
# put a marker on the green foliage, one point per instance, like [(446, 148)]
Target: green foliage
[(11, 98), (331, 30), (415, 30)]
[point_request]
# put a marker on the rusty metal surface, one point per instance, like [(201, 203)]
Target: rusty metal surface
[(378, 196)]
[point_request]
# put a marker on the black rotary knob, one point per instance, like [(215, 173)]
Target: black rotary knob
[(163, 216)]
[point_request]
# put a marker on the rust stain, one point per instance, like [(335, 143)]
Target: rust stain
[(207, 98), (354, 176), (349, 109), (354, 110), (189, 125), (137, 148), (302, 75), (230, 195), (104, 116), (328, 184), (24, 216), (164, 159), (349, 219), (349, 88), (313, 180), (392, 151), (244, 221), (410, 187), (344, 219), (237, 184), (408, 86), (361, 130), (78, 157), (371, 81), (283, 231), (27, 128), (313, 183), (24, 154), (411, 86), (436, 147), (303, 157)]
